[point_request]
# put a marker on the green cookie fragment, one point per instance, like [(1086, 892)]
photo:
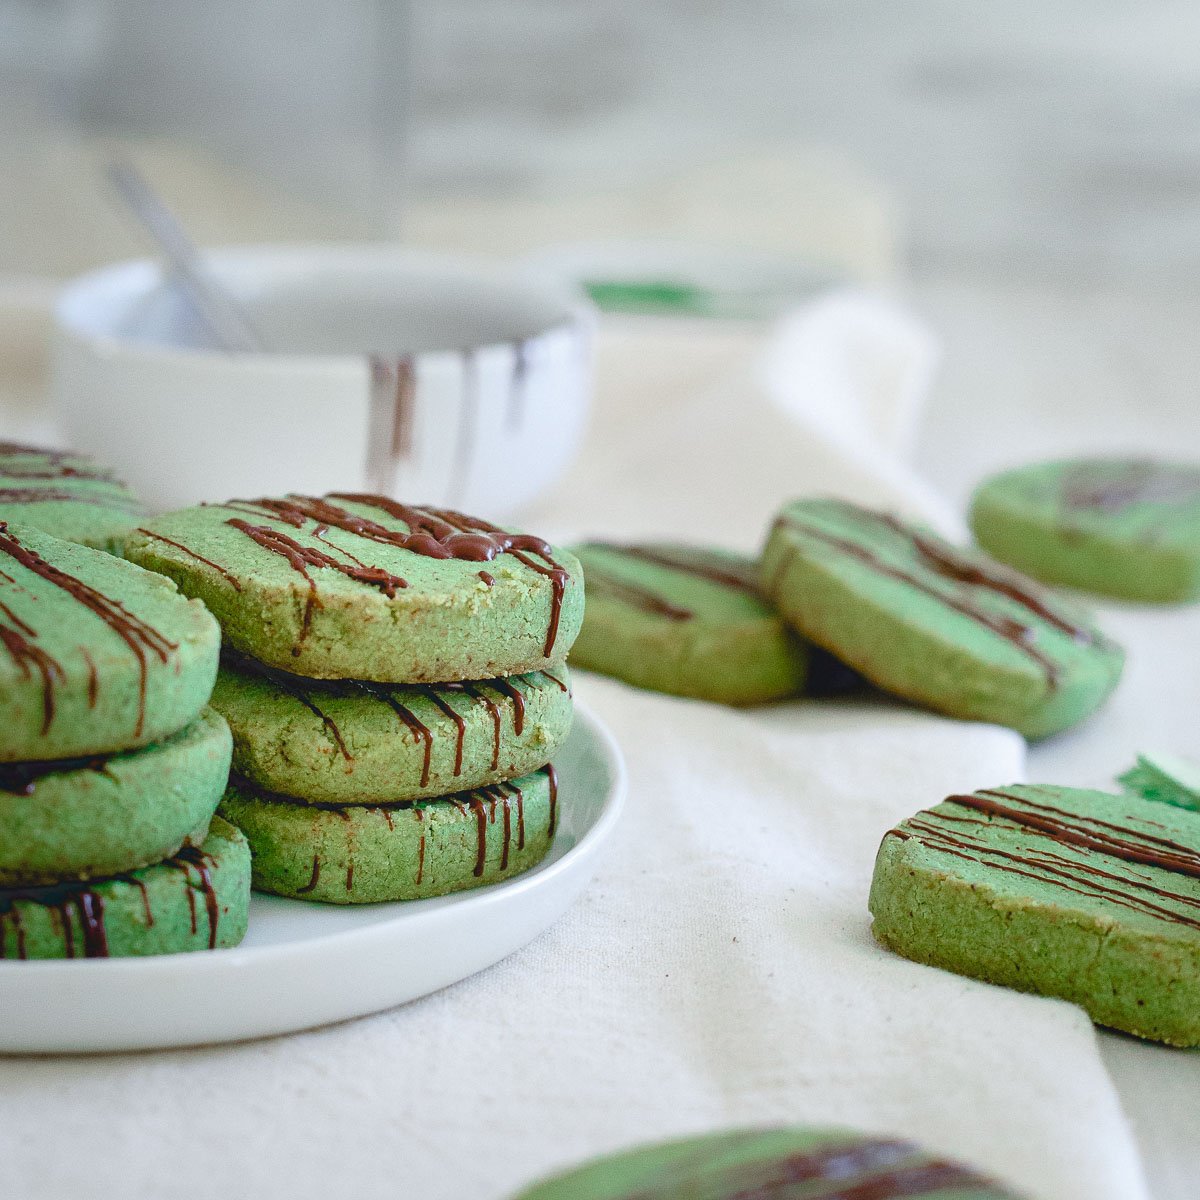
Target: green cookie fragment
[(65, 495), (1082, 895), (196, 900), (1165, 778), (1121, 527), (783, 1164), (686, 620), (942, 626), (356, 586), (362, 854)]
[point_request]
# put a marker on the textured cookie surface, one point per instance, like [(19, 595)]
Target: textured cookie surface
[(349, 742), (95, 653), (686, 620), (783, 1164), (196, 900), (1089, 897), (1118, 527), (944, 627), (362, 587), (361, 854), (80, 819), (66, 495)]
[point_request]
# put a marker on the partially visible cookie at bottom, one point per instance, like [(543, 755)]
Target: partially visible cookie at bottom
[(198, 899), (804, 1164), (364, 854)]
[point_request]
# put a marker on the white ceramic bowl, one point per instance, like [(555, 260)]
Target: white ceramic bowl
[(420, 376)]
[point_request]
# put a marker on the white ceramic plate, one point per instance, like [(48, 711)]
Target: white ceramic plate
[(308, 964)]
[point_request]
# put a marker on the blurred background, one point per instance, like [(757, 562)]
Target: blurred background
[(931, 136)]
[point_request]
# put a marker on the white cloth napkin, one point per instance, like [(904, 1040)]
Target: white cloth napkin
[(720, 970)]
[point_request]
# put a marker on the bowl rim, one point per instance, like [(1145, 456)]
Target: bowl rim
[(132, 277)]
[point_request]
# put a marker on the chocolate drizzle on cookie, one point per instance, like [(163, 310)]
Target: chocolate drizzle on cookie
[(431, 532), (601, 583), (694, 560), (142, 639), (77, 908), (21, 778), (1095, 840), (874, 1169), (208, 562), (1113, 487), (967, 576)]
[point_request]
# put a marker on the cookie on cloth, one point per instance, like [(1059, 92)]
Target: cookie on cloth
[(362, 854), (354, 586), (944, 627), (96, 654), (686, 620), (783, 1164), (353, 742), (1124, 527), (1082, 895), (66, 495), (84, 818), (198, 899)]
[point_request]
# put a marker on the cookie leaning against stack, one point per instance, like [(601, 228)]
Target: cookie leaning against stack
[(66, 495), (395, 683), (111, 766)]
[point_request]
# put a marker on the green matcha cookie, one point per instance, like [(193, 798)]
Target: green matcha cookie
[(86, 818), (1165, 778), (688, 621), (1119, 527), (196, 900), (346, 742), (95, 653), (1089, 897), (944, 627), (362, 587), (360, 854), (66, 495), (782, 1164)]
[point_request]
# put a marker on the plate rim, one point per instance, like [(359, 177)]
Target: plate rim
[(233, 958)]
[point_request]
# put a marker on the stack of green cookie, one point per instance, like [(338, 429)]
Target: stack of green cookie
[(394, 678), (111, 765)]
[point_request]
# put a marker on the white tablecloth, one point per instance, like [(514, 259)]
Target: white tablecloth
[(720, 970)]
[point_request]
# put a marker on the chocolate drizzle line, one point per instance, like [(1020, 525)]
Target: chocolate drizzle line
[(552, 776), (1113, 487), (132, 630), (117, 502), (460, 725), (20, 778), (313, 879), (599, 581), (432, 533), (80, 902), (444, 533), (866, 1170), (1082, 876), (18, 639), (290, 685), (693, 560), (518, 703), (1013, 631), (208, 562)]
